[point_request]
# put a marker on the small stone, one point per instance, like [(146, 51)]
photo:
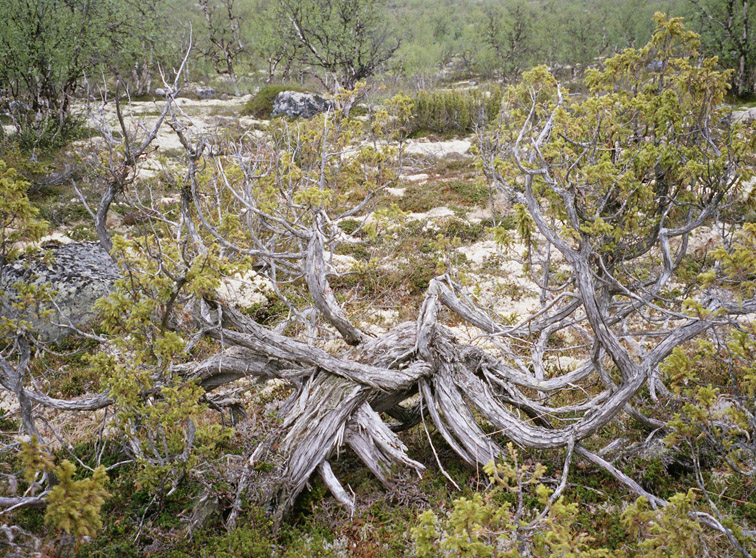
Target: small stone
[(421, 177)]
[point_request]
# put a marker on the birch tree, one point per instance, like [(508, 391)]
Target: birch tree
[(348, 39), (223, 24), (728, 30)]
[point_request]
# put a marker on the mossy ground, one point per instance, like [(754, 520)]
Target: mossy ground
[(137, 526)]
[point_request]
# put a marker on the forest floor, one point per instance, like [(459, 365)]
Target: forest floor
[(448, 211)]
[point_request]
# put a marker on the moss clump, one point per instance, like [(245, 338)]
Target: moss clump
[(82, 233), (349, 225), (458, 228), (261, 105), (469, 192)]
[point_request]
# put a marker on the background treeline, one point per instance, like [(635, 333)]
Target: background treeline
[(55, 50), (499, 39)]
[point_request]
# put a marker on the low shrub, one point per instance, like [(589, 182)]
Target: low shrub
[(455, 111), (50, 134), (349, 225), (461, 229), (469, 192)]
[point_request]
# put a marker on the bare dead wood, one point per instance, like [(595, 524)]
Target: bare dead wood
[(22, 502), (123, 170), (325, 301), (334, 486), (377, 445)]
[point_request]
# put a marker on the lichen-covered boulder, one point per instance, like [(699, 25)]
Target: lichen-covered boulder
[(207, 93), (744, 115), (295, 104), (79, 273)]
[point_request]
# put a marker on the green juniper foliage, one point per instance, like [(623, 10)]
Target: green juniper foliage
[(73, 505)]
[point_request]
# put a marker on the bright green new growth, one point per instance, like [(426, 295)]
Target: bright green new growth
[(649, 143), (19, 219), (20, 228), (163, 419), (666, 532), (73, 506), (486, 525), (716, 410), (165, 430), (161, 413), (607, 172), (34, 460)]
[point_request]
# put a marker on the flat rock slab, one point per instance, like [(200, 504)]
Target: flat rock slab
[(421, 178), (79, 273), (396, 192), (439, 149), (744, 115)]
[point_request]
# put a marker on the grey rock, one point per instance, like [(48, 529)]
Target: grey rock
[(208, 93), (80, 273), (295, 104), (744, 115), (160, 92), (18, 106)]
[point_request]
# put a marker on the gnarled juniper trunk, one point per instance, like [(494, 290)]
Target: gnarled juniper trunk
[(338, 399)]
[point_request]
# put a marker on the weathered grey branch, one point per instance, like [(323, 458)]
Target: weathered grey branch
[(325, 301), (21, 502)]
